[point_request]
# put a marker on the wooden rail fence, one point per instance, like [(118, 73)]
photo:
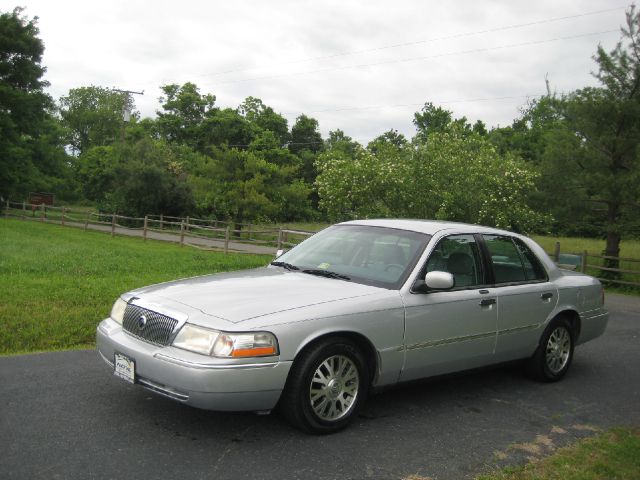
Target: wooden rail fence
[(581, 261), (182, 227), (277, 238)]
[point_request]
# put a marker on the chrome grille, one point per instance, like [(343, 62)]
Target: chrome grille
[(157, 329)]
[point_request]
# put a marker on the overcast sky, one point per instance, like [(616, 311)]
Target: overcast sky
[(361, 66)]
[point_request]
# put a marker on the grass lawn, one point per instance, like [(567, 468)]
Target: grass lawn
[(57, 282), (628, 248), (611, 455), (594, 246)]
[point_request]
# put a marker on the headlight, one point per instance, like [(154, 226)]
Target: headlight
[(117, 311), (226, 345), (196, 339), (259, 344)]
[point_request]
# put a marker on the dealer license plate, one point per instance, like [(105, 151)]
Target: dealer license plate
[(125, 367)]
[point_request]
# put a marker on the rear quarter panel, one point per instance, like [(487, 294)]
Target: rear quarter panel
[(583, 294)]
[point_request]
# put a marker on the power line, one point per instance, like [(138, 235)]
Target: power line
[(418, 42), (402, 105), (416, 59), (436, 102)]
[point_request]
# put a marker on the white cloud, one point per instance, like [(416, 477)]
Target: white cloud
[(141, 45)]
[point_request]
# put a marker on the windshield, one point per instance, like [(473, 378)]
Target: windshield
[(371, 255)]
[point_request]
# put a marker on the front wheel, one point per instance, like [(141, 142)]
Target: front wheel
[(326, 387), (553, 357)]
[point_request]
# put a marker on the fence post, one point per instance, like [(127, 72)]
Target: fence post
[(181, 232), (279, 238), (583, 265), (86, 221), (43, 212), (145, 228), (556, 253), (226, 240), (161, 221), (24, 210), (113, 224), (249, 230), (6, 209), (62, 217)]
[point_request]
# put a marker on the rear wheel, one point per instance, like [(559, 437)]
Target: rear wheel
[(326, 387), (553, 357)]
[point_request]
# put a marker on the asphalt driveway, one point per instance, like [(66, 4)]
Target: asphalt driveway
[(62, 415)]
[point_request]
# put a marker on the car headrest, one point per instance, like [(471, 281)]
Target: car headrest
[(460, 263)]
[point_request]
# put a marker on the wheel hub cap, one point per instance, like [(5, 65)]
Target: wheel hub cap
[(334, 388), (558, 349)]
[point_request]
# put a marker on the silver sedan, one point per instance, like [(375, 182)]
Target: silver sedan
[(360, 305)]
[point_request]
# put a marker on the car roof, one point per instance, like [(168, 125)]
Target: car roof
[(430, 227)]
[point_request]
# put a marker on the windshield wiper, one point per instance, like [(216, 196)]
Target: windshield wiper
[(286, 265), (326, 273)]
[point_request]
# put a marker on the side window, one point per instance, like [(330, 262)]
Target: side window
[(507, 263), (458, 255), (533, 269)]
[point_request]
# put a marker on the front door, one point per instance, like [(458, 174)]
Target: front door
[(452, 330)]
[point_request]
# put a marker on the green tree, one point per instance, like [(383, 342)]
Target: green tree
[(463, 178), (338, 140), (31, 156), (305, 136), (268, 145), (526, 136), (602, 125), (306, 142), (453, 175), (184, 114), (244, 186), (148, 187), (265, 118), (433, 119), (531, 136), (480, 128), (93, 116), (389, 138), (363, 186), (228, 128), (97, 172), (136, 178)]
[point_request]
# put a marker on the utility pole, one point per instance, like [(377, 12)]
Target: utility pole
[(546, 81), (126, 113)]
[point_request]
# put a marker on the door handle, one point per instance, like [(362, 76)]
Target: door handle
[(487, 301), (546, 296)]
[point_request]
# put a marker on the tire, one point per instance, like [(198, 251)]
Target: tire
[(326, 387), (553, 356)]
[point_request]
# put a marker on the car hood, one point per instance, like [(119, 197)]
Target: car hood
[(239, 296)]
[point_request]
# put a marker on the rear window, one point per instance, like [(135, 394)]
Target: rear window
[(513, 261), (533, 269), (506, 260)]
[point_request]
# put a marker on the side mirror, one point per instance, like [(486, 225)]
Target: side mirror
[(279, 253), (439, 280)]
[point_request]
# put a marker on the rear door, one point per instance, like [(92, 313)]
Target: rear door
[(525, 296)]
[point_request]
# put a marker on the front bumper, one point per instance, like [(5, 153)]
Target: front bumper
[(193, 379)]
